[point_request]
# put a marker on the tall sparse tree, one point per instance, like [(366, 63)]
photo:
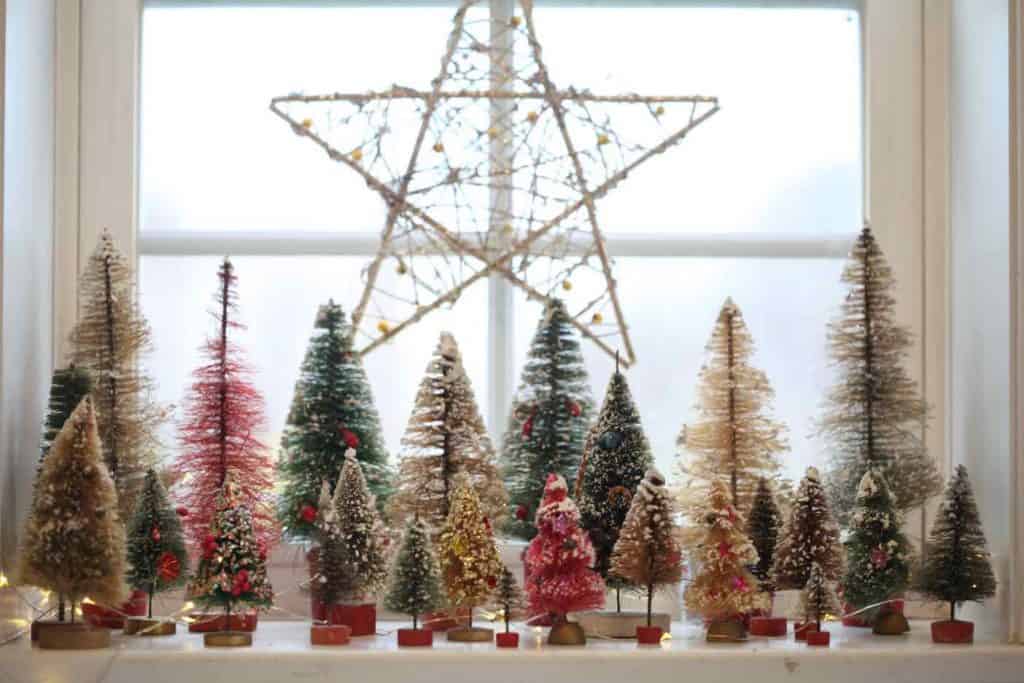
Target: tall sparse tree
[(223, 415), (445, 437), (874, 413), (550, 416), (74, 541), (333, 410), (958, 566), (810, 536), (615, 457), (108, 341), (646, 553)]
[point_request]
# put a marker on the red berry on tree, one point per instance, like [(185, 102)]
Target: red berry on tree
[(574, 409), (168, 567), (528, 427), (181, 511), (350, 438), (308, 513), (155, 534), (521, 513)]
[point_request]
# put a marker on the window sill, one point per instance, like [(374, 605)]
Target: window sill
[(281, 651)]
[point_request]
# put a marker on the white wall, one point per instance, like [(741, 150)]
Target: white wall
[(28, 171), (980, 201)]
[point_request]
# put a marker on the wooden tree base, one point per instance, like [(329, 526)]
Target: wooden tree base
[(567, 633), (415, 637), (648, 635), (819, 638), (507, 639), (205, 622), (610, 624), (953, 631), (329, 634), (726, 631), (890, 624), (41, 625), (471, 634), (74, 637), (139, 626), (801, 629), (768, 626), (227, 639), (361, 619)]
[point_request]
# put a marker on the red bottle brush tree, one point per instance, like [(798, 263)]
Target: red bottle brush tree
[(560, 558), (223, 412)]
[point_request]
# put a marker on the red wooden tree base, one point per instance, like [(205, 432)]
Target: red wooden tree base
[(329, 634), (102, 617), (206, 623), (415, 637), (361, 619), (507, 639), (818, 638), (648, 635), (952, 631), (800, 629), (768, 626)]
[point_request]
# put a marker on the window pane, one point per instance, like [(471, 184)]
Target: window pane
[(214, 157), (784, 152), (672, 305), (278, 298)]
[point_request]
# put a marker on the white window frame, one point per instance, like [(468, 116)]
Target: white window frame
[(906, 172)]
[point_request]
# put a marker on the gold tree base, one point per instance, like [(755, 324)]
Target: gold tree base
[(471, 634), (74, 637), (620, 624), (890, 624), (139, 626), (567, 633), (227, 639), (730, 631)]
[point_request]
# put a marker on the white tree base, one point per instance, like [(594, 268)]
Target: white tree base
[(620, 624)]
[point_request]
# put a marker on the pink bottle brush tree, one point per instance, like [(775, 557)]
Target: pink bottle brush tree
[(223, 414), (560, 558)]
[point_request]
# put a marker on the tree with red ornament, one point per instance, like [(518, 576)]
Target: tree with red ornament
[(223, 415)]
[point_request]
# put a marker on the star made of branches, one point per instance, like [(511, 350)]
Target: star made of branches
[(493, 170)]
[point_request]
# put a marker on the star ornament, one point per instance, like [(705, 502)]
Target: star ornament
[(492, 170)]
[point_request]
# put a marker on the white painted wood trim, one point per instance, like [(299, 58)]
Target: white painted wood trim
[(1016, 590)]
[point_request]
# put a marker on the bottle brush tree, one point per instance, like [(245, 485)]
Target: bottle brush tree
[(877, 551), (445, 437), (957, 567), (559, 559), (74, 542), (874, 413), (811, 535), (734, 439), (763, 526), (232, 569), (108, 340), (156, 545), (818, 597), (413, 586), (508, 596), (223, 414), (647, 553), (67, 389), (335, 576), (615, 458), (550, 416), (333, 410), (724, 588), (360, 533)]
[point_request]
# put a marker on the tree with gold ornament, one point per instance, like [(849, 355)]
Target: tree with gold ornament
[(108, 341), (647, 553), (874, 413), (470, 566), (810, 536), (74, 541), (724, 588), (734, 439), (445, 438)]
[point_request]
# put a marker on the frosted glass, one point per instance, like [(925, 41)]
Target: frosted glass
[(672, 305), (278, 299)]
